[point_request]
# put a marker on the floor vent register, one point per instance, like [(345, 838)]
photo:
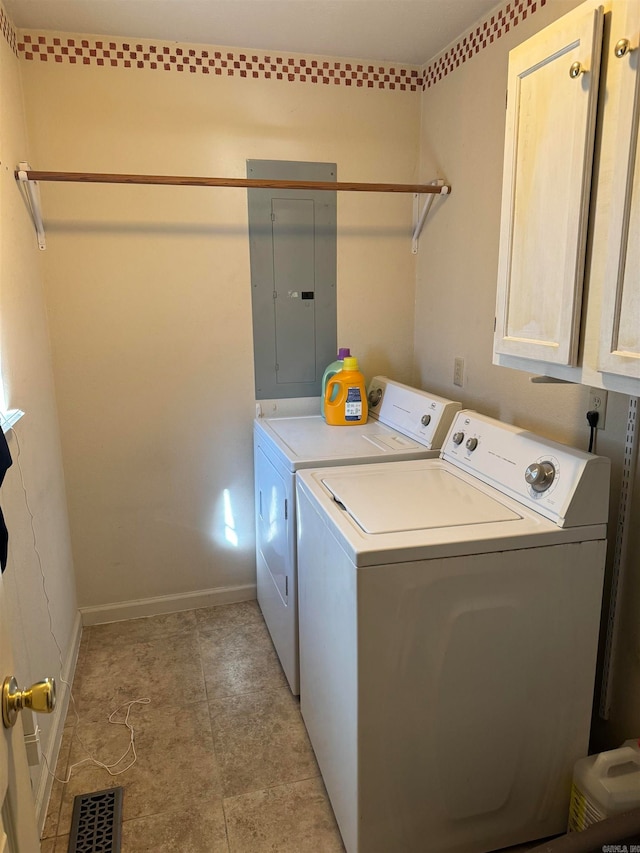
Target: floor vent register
[(96, 825)]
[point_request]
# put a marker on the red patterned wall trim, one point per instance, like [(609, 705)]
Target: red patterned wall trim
[(108, 53), (482, 36), (8, 31), (158, 57)]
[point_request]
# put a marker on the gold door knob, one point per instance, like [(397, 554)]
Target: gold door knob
[(40, 697), (576, 70)]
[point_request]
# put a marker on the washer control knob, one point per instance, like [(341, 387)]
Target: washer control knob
[(375, 395), (458, 437), (425, 420), (540, 475), (471, 444)]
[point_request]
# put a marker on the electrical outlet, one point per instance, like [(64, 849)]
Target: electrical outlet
[(458, 371), (598, 403)]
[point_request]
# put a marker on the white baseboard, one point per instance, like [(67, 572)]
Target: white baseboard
[(115, 613), (43, 789), (166, 604)]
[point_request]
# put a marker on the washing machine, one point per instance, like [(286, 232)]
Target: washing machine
[(404, 423), (449, 618)]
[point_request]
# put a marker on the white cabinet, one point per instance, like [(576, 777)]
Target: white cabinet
[(551, 106), (564, 224), (620, 326)]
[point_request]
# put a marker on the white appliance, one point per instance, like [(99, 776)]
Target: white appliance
[(404, 423), (449, 616)]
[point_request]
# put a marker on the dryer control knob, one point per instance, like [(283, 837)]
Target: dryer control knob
[(458, 437), (471, 444), (425, 420), (540, 475), (375, 395)]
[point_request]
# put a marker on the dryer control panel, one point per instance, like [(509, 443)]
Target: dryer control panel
[(565, 485), (418, 414)]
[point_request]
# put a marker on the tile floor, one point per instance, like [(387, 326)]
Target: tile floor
[(223, 765)]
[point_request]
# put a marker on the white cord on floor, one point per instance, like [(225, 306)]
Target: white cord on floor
[(97, 762), (142, 701)]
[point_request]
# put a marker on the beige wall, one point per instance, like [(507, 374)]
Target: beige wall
[(32, 576), (462, 138), (149, 300), (148, 291)]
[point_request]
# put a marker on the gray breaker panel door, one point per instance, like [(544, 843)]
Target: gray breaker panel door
[(292, 236)]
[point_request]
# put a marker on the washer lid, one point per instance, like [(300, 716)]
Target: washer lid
[(311, 436), (415, 498), (303, 442)]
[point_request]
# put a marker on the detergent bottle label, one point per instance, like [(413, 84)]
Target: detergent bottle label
[(577, 810), (353, 405)]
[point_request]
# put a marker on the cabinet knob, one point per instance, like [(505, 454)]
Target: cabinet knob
[(622, 48), (576, 70)]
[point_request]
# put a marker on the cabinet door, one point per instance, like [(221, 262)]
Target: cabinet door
[(551, 108), (620, 323)]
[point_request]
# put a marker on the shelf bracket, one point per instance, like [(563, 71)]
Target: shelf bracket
[(420, 219), (31, 192)]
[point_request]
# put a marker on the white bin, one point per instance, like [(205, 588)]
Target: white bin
[(605, 785)]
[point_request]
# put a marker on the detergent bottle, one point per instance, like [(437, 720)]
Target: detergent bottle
[(345, 400), (330, 371), (605, 785)]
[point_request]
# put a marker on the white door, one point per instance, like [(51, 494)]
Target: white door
[(550, 126), (18, 829), (620, 339)]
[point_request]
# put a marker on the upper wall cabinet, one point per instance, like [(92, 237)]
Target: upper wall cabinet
[(551, 108), (558, 211), (620, 327)]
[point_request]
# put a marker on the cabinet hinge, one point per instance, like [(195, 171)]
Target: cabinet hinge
[(286, 509), (273, 217), (506, 98), (286, 586), (495, 323)]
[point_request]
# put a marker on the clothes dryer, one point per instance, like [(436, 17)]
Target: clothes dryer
[(404, 423), (449, 618)]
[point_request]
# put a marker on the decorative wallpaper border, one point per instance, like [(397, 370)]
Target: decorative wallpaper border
[(494, 27), (8, 31), (157, 57), (247, 64)]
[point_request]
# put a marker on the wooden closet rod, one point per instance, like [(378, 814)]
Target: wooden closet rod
[(179, 181)]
